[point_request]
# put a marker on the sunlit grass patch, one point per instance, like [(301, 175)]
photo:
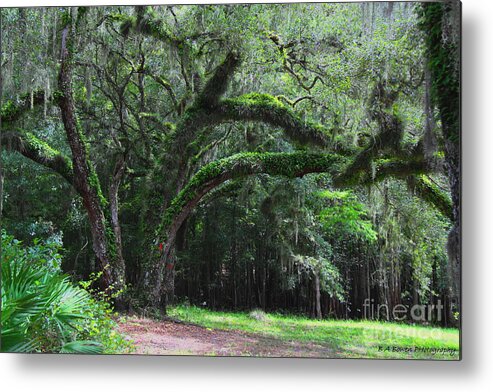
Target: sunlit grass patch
[(353, 339)]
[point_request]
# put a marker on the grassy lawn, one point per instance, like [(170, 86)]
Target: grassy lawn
[(350, 339)]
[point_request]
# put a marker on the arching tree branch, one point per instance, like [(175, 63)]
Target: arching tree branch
[(380, 169), (414, 170), (201, 114), (12, 110), (290, 165), (40, 152), (146, 22), (432, 194), (210, 110), (294, 102), (270, 110), (215, 173)]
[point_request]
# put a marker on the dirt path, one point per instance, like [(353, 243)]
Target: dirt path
[(170, 338)]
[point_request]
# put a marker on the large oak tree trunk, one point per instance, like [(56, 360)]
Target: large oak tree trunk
[(441, 22)]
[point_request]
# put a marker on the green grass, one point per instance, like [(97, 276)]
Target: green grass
[(349, 339)]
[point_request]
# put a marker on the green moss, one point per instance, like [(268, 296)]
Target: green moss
[(93, 179), (41, 147), (192, 120), (260, 99), (95, 184), (279, 164), (269, 109), (57, 95), (111, 242), (12, 109), (82, 12), (170, 126), (152, 25), (8, 110), (443, 57), (216, 86), (432, 194), (66, 18), (39, 151), (378, 169), (128, 23)]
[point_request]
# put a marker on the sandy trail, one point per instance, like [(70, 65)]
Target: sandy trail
[(171, 338)]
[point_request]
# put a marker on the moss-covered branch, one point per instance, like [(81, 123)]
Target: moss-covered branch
[(254, 107), (164, 83), (209, 110), (380, 169), (12, 110), (427, 190), (270, 110), (147, 22), (217, 84), (215, 173), (40, 152), (201, 113), (387, 142)]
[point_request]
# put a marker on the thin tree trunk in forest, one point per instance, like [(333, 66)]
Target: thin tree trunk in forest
[(318, 308), (119, 262), (264, 292), (85, 178)]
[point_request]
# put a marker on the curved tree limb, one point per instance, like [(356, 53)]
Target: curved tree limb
[(238, 166), (270, 110), (432, 194), (216, 173), (379, 169), (146, 22), (40, 152), (199, 115), (290, 165), (294, 102), (12, 110), (254, 107)]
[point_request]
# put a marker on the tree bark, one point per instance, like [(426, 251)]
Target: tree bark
[(86, 181), (119, 262), (441, 23), (318, 308)]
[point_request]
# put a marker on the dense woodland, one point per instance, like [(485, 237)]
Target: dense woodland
[(298, 158)]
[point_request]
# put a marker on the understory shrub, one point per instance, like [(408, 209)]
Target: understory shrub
[(43, 311)]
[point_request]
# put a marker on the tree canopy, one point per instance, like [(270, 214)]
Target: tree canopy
[(303, 156)]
